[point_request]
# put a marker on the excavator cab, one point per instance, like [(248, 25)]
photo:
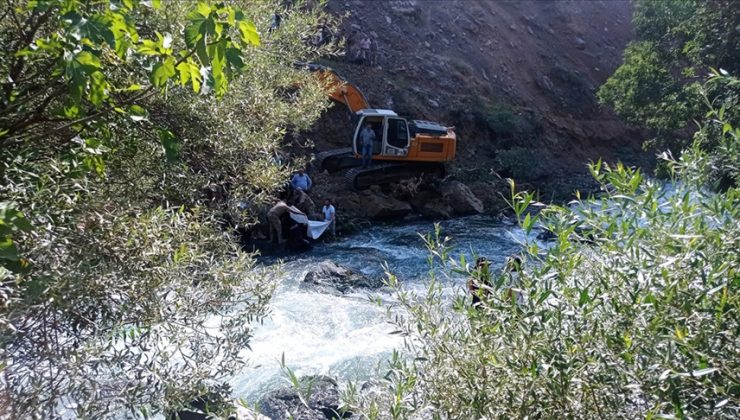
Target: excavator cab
[(400, 140), (402, 148), (391, 132)]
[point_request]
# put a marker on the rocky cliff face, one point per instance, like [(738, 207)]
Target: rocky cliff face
[(516, 78)]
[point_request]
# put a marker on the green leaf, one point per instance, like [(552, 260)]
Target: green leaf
[(162, 72), (204, 9), (137, 113), (234, 57), (87, 61), (98, 87), (149, 47), (249, 33), (8, 250), (97, 28), (189, 72), (171, 146), (193, 33), (218, 64)]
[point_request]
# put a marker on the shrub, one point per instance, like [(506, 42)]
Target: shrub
[(126, 131), (518, 163)]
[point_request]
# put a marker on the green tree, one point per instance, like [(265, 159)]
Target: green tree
[(128, 132), (676, 45), (632, 311)]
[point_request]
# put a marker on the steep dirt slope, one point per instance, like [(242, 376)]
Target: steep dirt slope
[(517, 79)]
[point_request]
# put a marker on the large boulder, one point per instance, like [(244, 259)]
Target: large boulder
[(321, 394), (491, 194), (437, 209), (460, 198), (331, 278), (376, 205)]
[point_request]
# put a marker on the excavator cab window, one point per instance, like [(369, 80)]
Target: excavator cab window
[(398, 134), (377, 127)]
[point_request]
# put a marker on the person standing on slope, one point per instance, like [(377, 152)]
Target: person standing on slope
[(301, 181)]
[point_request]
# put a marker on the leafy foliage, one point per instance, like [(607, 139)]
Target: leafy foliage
[(128, 131), (658, 84), (631, 310)]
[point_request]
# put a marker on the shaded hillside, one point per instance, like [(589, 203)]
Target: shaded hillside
[(517, 79)]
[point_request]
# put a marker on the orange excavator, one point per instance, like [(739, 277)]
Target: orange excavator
[(406, 148)]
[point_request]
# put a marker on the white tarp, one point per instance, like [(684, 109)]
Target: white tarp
[(314, 228)]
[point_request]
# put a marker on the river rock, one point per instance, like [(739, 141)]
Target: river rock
[(437, 209), (321, 393), (460, 198), (580, 43), (491, 194), (327, 276), (377, 205)]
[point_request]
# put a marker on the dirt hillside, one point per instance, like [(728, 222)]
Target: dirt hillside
[(516, 78)]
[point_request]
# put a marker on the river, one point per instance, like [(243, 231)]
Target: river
[(347, 336)]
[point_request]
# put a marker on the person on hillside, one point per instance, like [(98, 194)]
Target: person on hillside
[(367, 139), (479, 282), (301, 181), (330, 215), (365, 46), (278, 210)]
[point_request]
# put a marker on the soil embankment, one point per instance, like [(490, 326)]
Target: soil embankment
[(516, 79)]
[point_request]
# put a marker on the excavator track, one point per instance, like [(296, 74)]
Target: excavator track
[(336, 160), (387, 173)]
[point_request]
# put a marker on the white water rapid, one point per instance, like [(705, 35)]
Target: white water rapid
[(347, 336)]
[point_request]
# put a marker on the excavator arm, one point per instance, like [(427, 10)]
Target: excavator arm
[(340, 90)]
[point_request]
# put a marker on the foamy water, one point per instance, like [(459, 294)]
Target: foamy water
[(347, 336)]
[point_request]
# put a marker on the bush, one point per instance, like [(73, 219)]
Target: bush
[(518, 163), (126, 131), (504, 122)]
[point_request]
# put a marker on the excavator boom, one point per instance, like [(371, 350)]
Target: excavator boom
[(340, 90)]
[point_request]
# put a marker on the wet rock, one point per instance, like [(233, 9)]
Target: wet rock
[(491, 194), (580, 43), (433, 103), (376, 205), (437, 209), (460, 198), (331, 278), (405, 7), (545, 84), (321, 394), (429, 203)]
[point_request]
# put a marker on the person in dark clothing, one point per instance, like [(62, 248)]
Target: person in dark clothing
[(480, 280), (275, 23), (297, 241), (513, 267)]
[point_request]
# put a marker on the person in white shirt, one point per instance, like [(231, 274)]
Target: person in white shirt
[(330, 215)]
